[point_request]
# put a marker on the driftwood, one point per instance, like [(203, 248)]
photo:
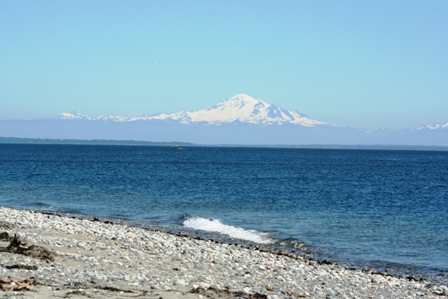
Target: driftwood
[(22, 266), (19, 247), (16, 285)]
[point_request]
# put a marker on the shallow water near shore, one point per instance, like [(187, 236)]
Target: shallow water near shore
[(379, 209)]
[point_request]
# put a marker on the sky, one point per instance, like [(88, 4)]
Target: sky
[(362, 64)]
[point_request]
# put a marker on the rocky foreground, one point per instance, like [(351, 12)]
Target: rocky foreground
[(48, 256)]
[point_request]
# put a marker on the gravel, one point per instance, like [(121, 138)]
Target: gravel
[(93, 259)]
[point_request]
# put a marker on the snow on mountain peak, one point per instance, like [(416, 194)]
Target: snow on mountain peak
[(239, 108), (241, 100), (244, 108), (72, 115), (436, 126)]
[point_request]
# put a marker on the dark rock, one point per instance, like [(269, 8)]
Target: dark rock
[(4, 236)]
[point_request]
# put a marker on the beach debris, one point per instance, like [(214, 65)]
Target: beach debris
[(296, 295), (4, 224), (95, 219), (83, 286), (16, 285), (22, 266), (212, 292), (270, 288), (113, 289), (19, 247), (76, 292), (4, 236)]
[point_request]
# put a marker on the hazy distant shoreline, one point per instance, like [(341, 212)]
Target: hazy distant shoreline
[(49, 141), (18, 140)]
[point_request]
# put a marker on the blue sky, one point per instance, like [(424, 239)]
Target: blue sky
[(364, 64)]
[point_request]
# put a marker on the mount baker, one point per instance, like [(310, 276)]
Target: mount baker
[(239, 108)]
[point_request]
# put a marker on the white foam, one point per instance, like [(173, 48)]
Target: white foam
[(232, 231)]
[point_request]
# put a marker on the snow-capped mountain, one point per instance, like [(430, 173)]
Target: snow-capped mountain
[(78, 116), (239, 120), (436, 126), (239, 108), (242, 108)]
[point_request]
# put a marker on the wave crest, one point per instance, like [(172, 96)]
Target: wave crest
[(217, 226)]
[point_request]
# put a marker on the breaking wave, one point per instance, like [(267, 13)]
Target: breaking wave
[(217, 226)]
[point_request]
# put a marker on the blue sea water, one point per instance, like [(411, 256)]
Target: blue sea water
[(382, 209)]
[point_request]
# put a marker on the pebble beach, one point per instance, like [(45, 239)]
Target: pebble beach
[(64, 257)]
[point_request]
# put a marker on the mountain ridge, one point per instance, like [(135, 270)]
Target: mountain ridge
[(240, 120), (434, 126), (239, 108)]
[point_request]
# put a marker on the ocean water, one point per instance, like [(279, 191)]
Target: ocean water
[(381, 209)]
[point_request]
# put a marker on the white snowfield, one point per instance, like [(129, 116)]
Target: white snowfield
[(239, 108), (434, 126)]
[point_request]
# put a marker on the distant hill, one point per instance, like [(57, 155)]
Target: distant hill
[(15, 140)]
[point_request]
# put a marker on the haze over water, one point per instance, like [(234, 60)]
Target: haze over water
[(371, 208)]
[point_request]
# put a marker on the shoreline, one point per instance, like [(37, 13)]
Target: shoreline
[(297, 249), (94, 259)]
